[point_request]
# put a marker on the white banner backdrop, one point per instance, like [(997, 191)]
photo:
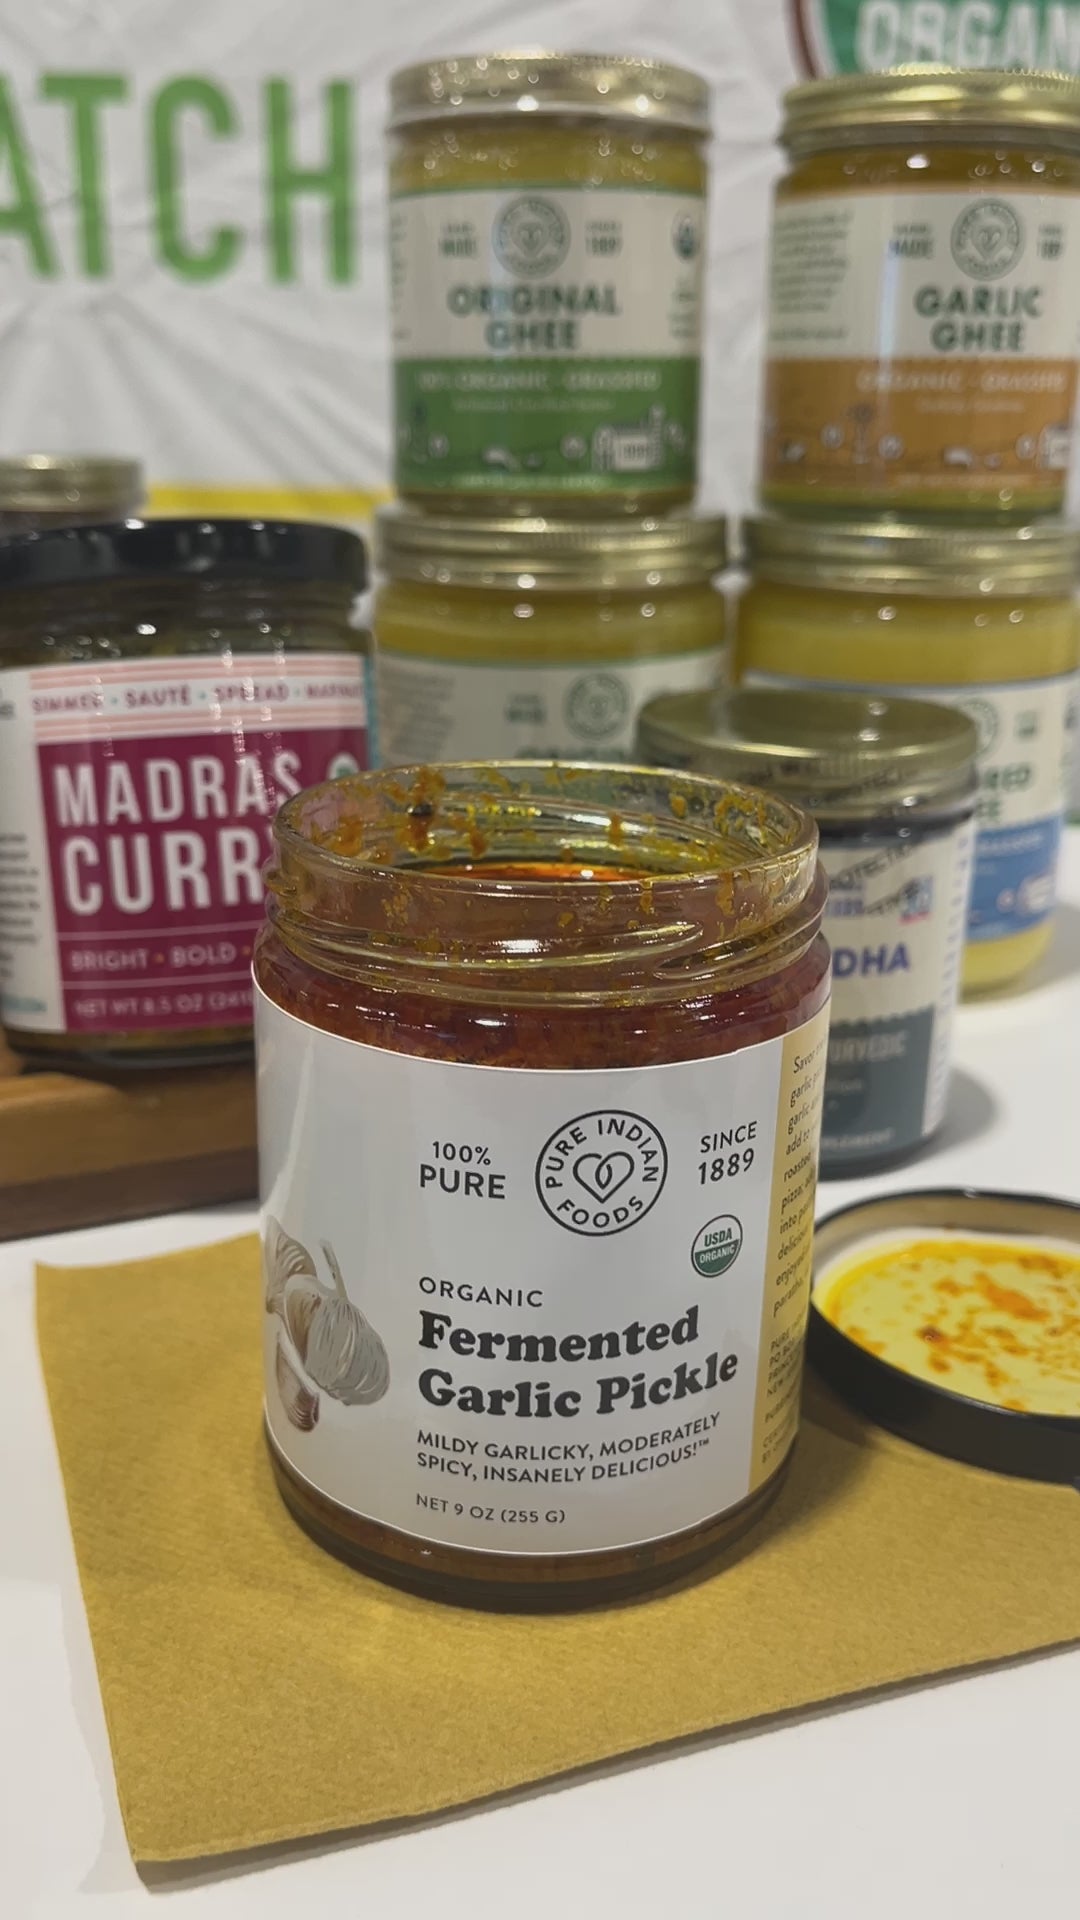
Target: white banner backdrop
[(193, 226)]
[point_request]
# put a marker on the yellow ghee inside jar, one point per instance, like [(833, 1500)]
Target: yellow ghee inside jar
[(984, 620), (547, 245), (538, 639), (925, 295)]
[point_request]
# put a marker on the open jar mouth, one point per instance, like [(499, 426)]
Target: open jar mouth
[(545, 878)]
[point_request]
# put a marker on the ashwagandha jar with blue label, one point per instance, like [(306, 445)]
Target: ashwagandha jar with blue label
[(891, 784), (979, 618)]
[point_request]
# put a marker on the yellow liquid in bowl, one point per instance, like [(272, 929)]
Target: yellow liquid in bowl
[(996, 1321)]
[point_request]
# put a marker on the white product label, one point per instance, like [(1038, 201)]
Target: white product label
[(1022, 759), (912, 275), (136, 803), (546, 339), (922, 344), (534, 1311), (432, 711), (895, 922), (612, 272)]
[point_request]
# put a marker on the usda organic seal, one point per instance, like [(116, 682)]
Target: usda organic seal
[(716, 1247)]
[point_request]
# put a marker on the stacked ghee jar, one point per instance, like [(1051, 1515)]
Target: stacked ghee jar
[(543, 572), (920, 389)]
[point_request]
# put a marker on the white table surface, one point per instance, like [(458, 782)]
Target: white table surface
[(950, 1800)]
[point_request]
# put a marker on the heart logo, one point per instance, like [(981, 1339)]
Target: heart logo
[(990, 240), (602, 1174)]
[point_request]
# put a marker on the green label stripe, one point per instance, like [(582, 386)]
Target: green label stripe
[(585, 426)]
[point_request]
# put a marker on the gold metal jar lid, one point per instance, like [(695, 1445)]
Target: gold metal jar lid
[(61, 482), (910, 557), (940, 103), (567, 555), (607, 85), (841, 756)]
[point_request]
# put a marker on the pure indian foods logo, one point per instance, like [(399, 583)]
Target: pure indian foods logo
[(987, 240), (531, 236), (602, 1172), (869, 36), (597, 705)]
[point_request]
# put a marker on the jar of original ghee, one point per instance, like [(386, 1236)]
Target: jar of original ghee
[(924, 305), (537, 639), (981, 619), (891, 784), (540, 1058), (42, 490), (164, 684), (547, 237)]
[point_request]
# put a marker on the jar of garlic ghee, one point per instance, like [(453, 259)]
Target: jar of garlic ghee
[(42, 490), (164, 684), (540, 1054), (547, 237), (982, 619), (536, 639), (924, 305)]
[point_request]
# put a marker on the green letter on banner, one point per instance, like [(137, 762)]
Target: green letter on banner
[(86, 94), (222, 244), (24, 213), (288, 179)]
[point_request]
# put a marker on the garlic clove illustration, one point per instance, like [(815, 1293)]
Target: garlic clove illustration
[(303, 1298), (283, 1257), (344, 1354), (300, 1404), (337, 1348)]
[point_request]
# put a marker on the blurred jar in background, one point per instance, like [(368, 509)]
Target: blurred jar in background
[(538, 639), (982, 618), (164, 685), (42, 490)]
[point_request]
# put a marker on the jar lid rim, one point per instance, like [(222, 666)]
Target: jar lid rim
[(550, 551), (913, 556), (928, 98), (837, 753), (531, 82), (30, 481), (202, 549)]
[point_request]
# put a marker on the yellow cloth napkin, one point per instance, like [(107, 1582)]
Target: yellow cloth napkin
[(257, 1690)]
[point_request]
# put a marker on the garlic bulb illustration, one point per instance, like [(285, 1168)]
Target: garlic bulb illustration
[(282, 1258), (336, 1348), (300, 1404)]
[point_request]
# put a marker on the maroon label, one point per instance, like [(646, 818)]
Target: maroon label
[(156, 845)]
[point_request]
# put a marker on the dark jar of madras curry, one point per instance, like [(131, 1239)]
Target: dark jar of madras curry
[(540, 1053), (164, 685)]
